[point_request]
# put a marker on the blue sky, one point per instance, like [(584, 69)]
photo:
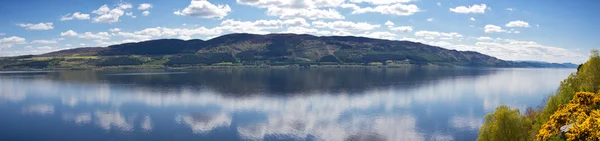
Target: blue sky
[(540, 30)]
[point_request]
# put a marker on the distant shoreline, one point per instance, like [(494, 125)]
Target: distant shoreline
[(157, 67), (223, 66)]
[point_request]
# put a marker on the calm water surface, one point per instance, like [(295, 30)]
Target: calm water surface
[(263, 104)]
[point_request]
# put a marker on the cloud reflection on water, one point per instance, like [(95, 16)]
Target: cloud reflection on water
[(113, 120), (146, 124), (80, 119), (381, 112), (40, 109), (201, 124)]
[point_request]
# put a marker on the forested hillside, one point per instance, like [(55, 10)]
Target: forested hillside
[(271, 49)]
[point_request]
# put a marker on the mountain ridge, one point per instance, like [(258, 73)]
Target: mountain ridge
[(284, 49)]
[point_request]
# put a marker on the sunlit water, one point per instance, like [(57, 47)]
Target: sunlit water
[(264, 104)]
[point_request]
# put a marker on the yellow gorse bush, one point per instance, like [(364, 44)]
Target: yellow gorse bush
[(588, 128), (582, 112)]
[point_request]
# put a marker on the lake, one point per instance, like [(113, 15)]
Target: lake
[(263, 104)]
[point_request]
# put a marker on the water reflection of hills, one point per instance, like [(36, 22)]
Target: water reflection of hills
[(386, 104), (238, 82)]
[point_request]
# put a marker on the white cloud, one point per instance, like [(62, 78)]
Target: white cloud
[(270, 24), (76, 15), (430, 19), (130, 14), (132, 35), (402, 29), (87, 35), (291, 4), (346, 25), (256, 27), (308, 9), (482, 38), (296, 22), (102, 10), (184, 37), (305, 13), (304, 30), (144, 6), (105, 43), (510, 9), (471, 9), (10, 41), (527, 50), (109, 18), (379, 35), (125, 6), (150, 31), (472, 19), (204, 9), (107, 15), (389, 23), (99, 35), (342, 33), (398, 9), (517, 23), (320, 24), (434, 34), (39, 26), (493, 28), (44, 48), (438, 4), (68, 33), (184, 33), (44, 42), (146, 13), (114, 29), (510, 49), (380, 2)]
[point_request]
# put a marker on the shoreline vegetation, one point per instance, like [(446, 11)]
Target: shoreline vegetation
[(49, 64), (108, 62), (31, 62), (230, 65), (214, 67), (572, 113)]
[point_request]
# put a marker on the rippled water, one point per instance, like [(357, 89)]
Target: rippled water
[(263, 104)]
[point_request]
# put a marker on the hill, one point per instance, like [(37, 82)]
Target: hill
[(271, 49)]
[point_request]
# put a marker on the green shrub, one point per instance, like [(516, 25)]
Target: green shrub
[(505, 125)]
